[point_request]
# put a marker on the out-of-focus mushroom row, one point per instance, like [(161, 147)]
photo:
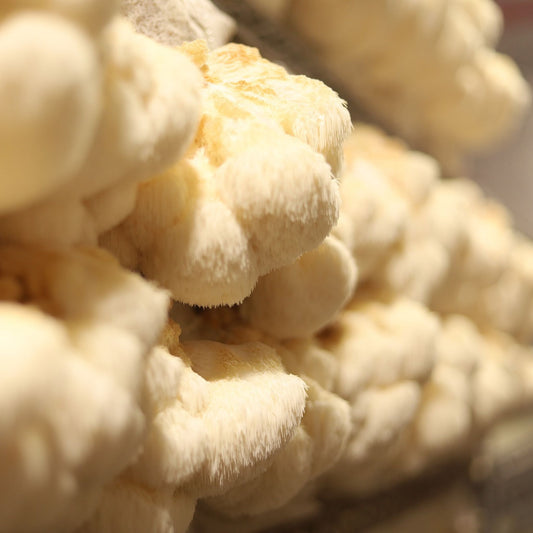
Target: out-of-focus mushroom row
[(216, 300), (427, 69)]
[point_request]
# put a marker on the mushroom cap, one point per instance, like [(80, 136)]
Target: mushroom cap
[(218, 414), (300, 299)]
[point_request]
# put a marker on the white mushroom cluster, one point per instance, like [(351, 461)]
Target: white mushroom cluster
[(90, 121), (443, 243), (428, 69), (217, 303), (423, 382), (423, 389), (255, 190), (75, 333)]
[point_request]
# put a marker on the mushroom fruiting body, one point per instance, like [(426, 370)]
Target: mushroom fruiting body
[(255, 190), (426, 69), (76, 330), (98, 114)]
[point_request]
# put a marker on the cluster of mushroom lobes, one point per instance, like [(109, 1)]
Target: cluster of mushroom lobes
[(217, 302), (428, 69)]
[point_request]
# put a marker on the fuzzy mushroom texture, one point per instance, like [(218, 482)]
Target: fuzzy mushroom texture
[(430, 246), (48, 113), (174, 22), (448, 394), (414, 174), (384, 347), (382, 184), (372, 216), (461, 95), (484, 258), (505, 304), (517, 323), (303, 357), (444, 427), (503, 380), (402, 223), (379, 340), (315, 447), (240, 475), (317, 442), (428, 422), (381, 422), (203, 436), (456, 245), (255, 189), (300, 299), (124, 106), (217, 412), (75, 330), (478, 377)]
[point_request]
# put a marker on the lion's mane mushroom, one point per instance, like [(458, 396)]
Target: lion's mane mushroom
[(255, 189), (98, 113), (76, 330)]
